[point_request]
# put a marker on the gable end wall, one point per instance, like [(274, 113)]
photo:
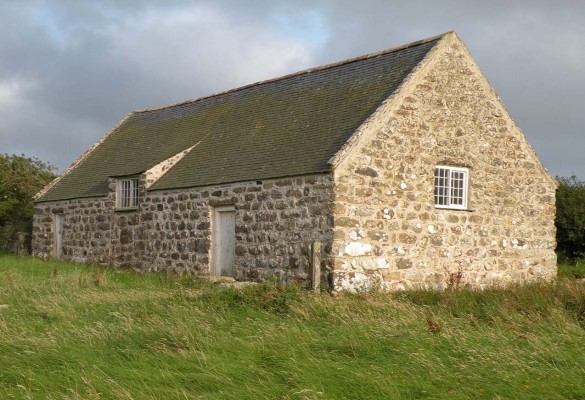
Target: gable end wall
[(387, 232)]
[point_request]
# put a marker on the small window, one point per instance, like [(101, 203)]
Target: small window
[(128, 193), (451, 187)]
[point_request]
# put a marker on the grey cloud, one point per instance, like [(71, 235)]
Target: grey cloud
[(533, 53), (69, 70), (79, 81)]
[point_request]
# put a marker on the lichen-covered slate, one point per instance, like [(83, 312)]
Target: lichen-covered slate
[(284, 127)]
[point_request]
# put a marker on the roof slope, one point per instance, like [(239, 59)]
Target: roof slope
[(283, 127)]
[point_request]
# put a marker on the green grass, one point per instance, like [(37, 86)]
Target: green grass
[(574, 269), (70, 331)]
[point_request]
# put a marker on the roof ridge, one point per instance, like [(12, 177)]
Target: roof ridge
[(257, 138), (298, 73)]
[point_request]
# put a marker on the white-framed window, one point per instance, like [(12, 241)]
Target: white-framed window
[(128, 193), (451, 187)]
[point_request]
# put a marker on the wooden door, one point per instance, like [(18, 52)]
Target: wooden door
[(58, 239), (224, 241)]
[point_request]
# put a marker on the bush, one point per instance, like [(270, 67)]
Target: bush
[(570, 220), (20, 179)]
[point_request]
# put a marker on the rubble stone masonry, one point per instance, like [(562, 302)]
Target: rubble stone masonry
[(277, 222), (388, 233)]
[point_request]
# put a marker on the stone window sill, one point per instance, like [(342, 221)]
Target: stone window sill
[(455, 209), (127, 209)]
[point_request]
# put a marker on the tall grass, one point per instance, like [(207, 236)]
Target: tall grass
[(77, 332), (574, 269)]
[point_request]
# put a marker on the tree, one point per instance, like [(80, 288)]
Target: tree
[(20, 179), (570, 220)]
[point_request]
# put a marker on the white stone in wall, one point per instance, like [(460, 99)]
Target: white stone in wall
[(357, 282), (374, 264), (369, 265), (387, 214), (358, 249)]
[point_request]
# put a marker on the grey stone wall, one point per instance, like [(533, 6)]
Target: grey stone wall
[(276, 223), (388, 233)]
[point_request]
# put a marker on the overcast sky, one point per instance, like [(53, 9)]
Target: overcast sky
[(71, 69)]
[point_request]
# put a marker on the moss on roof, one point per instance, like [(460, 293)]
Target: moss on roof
[(283, 127)]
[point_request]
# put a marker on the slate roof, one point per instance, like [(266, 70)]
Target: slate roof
[(283, 127)]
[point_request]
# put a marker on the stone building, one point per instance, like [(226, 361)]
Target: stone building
[(394, 170)]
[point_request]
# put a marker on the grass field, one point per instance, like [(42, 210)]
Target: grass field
[(74, 332), (573, 270)]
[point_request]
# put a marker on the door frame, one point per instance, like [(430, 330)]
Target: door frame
[(216, 243), (58, 220)]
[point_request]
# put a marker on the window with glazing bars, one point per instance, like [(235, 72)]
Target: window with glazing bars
[(128, 193), (451, 187)]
